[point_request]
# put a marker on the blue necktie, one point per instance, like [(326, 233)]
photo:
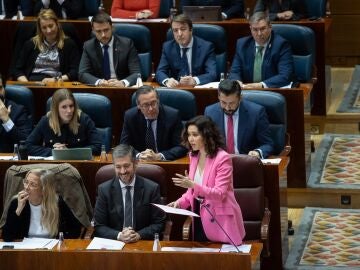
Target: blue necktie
[(184, 68), (106, 63)]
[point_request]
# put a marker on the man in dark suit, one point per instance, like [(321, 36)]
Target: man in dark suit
[(153, 129), (263, 59), (229, 8), (242, 120), (107, 59), (15, 122), (66, 9), (282, 10), (186, 60), (123, 209)]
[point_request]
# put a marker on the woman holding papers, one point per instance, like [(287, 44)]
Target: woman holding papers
[(140, 9), (209, 185), (37, 211)]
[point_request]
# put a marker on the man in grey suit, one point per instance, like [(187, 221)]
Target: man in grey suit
[(107, 59), (115, 218)]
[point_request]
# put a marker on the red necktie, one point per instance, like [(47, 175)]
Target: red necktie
[(230, 135)]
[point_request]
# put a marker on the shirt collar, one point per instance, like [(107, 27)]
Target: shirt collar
[(189, 45)]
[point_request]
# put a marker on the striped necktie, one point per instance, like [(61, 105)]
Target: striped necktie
[(258, 64)]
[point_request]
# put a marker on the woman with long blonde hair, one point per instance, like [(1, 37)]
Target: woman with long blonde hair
[(37, 210)]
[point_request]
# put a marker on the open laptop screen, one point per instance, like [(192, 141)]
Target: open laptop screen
[(72, 154), (203, 13)]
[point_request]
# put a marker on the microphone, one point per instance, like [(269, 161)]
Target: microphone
[(213, 218)]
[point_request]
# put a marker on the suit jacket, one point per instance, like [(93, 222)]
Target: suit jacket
[(253, 126), (17, 227), (218, 193), (169, 127), (128, 8), (125, 57), (41, 140), (68, 56), (203, 62), (20, 131), (11, 7), (73, 8), (109, 209), (277, 66), (232, 8), (274, 7)]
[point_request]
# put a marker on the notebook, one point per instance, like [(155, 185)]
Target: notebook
[(203, 13), (72, 154)]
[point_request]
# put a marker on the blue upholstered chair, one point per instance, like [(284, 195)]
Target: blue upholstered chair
[(23, 96), (302, 41), (275, 106), (215, 34), (141, 37), (98, 108), (182, 100), (315, 8)]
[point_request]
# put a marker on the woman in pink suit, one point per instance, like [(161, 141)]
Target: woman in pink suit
[(209, 183), (135, 9)]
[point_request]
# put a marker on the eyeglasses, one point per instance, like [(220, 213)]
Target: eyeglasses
[(31, 185), (151, 104)]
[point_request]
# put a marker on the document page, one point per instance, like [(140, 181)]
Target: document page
[(177, 211)]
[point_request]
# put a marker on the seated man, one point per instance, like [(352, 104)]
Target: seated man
[(66, 9), (153, 129), (244, 124), (282, 10), (11, 7), (187, 59), (107, 59), (123, 209), (263, 59), (229, 8), (15, 122)]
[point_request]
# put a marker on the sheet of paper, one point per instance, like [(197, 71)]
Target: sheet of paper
[(40, 158), (177, 211), (231, 248), (274, 161), (31, 243), (209, 85), (8, 158), (193, 249), (134, 20), (103, 243)]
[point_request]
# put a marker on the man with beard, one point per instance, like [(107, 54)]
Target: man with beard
[(15, 122), (123, 209), (244, 124)]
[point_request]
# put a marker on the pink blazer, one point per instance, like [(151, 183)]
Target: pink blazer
[(218, 193)]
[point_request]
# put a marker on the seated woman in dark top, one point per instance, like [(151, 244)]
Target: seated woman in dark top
[(282, 10), (64, 126), (37, 211), (49, 55)]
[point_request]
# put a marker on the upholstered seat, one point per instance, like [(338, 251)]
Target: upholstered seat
[(23, 96), (315, 8)]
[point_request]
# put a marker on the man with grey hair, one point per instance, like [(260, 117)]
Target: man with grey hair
[(124, 209), (263, 59)]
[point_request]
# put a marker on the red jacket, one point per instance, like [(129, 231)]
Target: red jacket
[(128, 8)]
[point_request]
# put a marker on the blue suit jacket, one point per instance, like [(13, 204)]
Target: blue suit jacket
[(277, 68), (274, 7), (169, 127), (203, 62), (253, 127)]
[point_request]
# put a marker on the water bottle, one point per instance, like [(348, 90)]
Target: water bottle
[(247, 13), (103, 155), (139, 82), (16, 155), (61, 244), (23, 151), (222, 76), (59, 79), (19, 15), (156, 245)]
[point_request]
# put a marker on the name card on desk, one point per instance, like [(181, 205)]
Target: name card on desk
[(103, 243), (271, 161)]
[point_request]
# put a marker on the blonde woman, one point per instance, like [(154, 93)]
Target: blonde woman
[(49, 55), (37, 210)]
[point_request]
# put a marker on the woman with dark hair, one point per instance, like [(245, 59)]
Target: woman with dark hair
[(282, 10), (64, 126), (209, 182), (49, 55)]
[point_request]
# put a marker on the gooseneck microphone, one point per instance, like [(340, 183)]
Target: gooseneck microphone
[(213, 218)]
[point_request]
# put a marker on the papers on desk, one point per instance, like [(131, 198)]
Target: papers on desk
[(190, 249), (273, 161), (231, 248), (31, 243), (177, 211), (103, 243), (135, 20), (7, 157), (209, 85)]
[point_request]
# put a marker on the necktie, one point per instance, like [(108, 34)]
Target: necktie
[(149, 136), (106, 63), (184, 69), (258, 64), (230, 135), (128, 208)]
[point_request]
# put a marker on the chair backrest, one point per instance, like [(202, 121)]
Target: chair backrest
[(23, 96), (165, 6), (176, 98), (302, 41), (315, 8), (275, 106), (215, 34), (141, 37), (91, 7), (248, 178), (150, 171), (98, 108)]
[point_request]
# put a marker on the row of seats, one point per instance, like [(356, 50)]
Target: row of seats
[(98, 107)]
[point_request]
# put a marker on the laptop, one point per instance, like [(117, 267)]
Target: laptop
[(203, 13), (72, 154)]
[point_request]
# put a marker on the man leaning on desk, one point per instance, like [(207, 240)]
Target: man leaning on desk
[(108, 59)]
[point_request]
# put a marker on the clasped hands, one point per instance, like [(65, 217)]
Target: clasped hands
[(111, 82), (129, 235), (286, 15), (250, 85), (144, 14), (185, 80), (149, 154)]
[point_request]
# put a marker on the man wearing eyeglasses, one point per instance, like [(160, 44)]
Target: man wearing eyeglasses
[(263, 59), (152, 129)]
